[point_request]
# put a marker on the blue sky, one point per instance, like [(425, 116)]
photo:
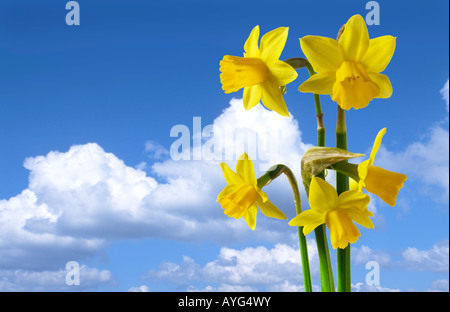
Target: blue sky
[(86, 175)]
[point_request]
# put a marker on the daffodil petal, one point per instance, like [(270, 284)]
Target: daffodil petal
[(270, 210), (250, 216), (252, 96), (383, 82), (272, 98), (361, 217), (262, 194), (353, 199), (322, 195), (353, 185), (363, 168), (251, 45), (309, 219), (282, 72), (323, 53), (379, 53), (321, 83), (230, 176), (272, 43), (244, 168), (355, 38), (376, 145), (227, 190)]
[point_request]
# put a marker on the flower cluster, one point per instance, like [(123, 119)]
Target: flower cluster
[(349, 70)]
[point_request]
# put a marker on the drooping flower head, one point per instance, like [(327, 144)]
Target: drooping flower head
[(242, 196), (259, 72), (349, 68), (381, 182), (338, 212)]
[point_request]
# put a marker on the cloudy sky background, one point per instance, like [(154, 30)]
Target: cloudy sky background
[(86, 172)]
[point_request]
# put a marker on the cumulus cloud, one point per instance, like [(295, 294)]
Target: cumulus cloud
[(364, 254), (79, 201), (266, 136), (361, 287), (248, 269), (434, 259)]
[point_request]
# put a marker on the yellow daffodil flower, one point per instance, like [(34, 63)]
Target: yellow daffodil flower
[(259, 72), (338, 212), (242, 196), (349, 68), (383, 183)]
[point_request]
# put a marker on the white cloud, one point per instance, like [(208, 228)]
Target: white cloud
[(444, 93), (248, 269), (364, 254), (434, 259), (361, 287), (79, 201), (439, 285), (142, 288), (266, 136), (155, 150)]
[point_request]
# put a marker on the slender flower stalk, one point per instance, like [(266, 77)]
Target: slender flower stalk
[(326, 271), (342, 185), (271, 174), (342, 181)]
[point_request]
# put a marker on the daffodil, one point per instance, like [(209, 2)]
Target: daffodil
[(259, 72), (242, 196), (349, 68), (338, 212), (381, 182)]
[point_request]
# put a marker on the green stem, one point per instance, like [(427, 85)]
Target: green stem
[(273, 173), (349, 169), (326, 271), (342, 185)]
